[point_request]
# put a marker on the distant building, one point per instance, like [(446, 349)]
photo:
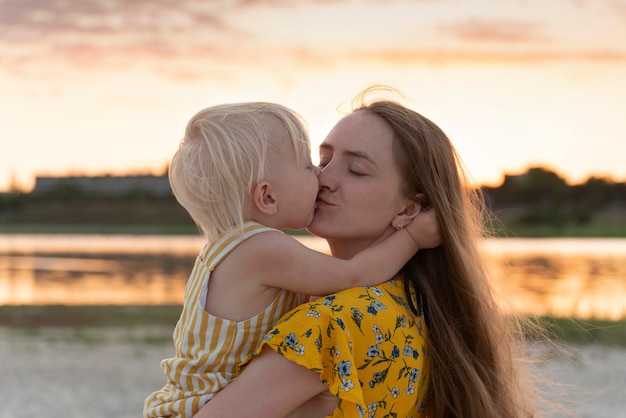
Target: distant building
[(517, 179), (111, 186)]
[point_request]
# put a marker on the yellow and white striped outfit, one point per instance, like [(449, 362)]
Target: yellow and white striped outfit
[(208, 349)]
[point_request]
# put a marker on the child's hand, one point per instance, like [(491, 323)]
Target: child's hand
[(424, 229)]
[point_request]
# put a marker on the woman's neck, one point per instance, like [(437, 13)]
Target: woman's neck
[(348, 248), (341, 251)]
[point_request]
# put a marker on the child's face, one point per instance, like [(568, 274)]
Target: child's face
[(294, 183)]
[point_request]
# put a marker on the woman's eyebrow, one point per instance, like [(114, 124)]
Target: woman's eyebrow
[(349, 153), (361, 155)]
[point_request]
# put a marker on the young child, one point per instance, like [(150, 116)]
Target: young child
[(243, 172)]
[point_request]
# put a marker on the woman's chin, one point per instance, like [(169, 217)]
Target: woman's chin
[(316, 227)]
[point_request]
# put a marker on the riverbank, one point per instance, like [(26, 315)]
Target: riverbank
[(598, 229), (104, 371), (109, 229), (33, 317), (167, 217), (62, 361)]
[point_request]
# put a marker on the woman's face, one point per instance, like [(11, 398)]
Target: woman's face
[(359, 185)]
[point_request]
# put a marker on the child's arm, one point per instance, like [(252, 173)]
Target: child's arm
[(424, 230), (283, 262)]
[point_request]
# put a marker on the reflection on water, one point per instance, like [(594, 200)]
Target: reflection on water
[(565, 285), (566, 277), (581, 278), (111, 278)]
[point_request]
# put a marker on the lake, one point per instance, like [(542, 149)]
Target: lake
[(582, 277)]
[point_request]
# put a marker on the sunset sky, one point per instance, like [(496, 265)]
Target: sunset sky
[(107, 87)]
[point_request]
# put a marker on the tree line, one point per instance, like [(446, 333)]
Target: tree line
[(537, 197), (542, 196)]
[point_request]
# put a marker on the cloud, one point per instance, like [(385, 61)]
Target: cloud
[(500, 30), (191, 40), (78, 35), (138, 19), (450, 56), (619, 7)]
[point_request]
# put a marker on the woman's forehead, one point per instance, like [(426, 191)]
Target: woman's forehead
[(360, 132)]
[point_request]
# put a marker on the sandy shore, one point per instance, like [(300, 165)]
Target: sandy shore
[(108, 372)]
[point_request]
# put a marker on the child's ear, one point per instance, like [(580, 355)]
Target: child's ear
[(263, 199)]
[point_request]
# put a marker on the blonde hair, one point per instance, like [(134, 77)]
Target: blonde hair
[(223, 155), (471, 345)]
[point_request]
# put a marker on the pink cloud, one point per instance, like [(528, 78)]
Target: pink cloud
[(501, 30)]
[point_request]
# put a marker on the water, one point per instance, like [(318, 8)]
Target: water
[(581, 278)]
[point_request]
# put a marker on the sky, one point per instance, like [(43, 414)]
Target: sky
[(107, 86)]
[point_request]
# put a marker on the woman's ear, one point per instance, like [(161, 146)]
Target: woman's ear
[(409, 211), (424, 201), (263, 199)]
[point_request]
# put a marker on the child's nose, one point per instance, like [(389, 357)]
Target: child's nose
[(317, 170)]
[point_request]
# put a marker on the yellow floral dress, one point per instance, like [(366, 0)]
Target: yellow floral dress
[(367, 345)]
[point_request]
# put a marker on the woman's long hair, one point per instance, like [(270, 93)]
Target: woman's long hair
[(471, 345)]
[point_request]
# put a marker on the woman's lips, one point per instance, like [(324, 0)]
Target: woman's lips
[(322, 202)]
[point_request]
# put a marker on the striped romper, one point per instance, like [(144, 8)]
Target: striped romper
[(208, 349)]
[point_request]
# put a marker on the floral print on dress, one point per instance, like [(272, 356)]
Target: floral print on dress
[(368, 346)]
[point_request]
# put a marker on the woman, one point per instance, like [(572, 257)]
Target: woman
[(376, 163)]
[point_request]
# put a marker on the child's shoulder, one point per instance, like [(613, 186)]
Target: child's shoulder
[(260, 255), (268, 243), (246, 235), (253, 227), (243, 232), (266, 239)]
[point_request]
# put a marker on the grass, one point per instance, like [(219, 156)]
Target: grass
[(585, 331), (32, 319), (597, 229), (93, 325), (99, 229), (70, 316)]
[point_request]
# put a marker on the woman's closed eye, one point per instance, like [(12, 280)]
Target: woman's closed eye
[(357, 173), (357, 169)]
